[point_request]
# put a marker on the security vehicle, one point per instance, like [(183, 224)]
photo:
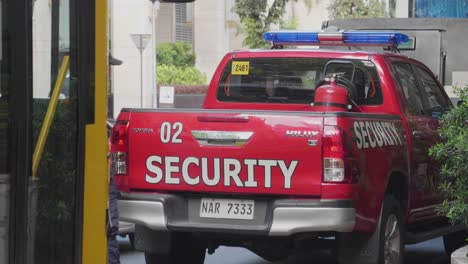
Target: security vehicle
[(295, 148)]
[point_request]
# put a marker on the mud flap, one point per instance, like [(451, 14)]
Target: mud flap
[(156, 242), (359, 248)]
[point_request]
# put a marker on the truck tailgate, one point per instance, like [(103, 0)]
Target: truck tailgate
[(225, 152)]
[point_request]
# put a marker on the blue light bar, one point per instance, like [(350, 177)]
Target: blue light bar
[(347, 38), (374, 37), (296, 37)]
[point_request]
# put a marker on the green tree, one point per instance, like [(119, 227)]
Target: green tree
[(176, 62), (340, 9), (175, 53), (452, 153), (258, 16), (170, 74)]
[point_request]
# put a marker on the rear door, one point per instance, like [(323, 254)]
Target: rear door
[(220, 151), (436, 103), (424, 103)]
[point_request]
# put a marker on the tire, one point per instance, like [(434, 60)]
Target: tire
[(131, 238), (455, 241), (272, 255), (391, 245), (151, 258), (184, 249)]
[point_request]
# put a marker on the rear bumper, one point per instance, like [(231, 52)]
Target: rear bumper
[(273, 217), (126, 228)]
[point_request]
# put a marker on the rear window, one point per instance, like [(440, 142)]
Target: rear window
[(294, 80)]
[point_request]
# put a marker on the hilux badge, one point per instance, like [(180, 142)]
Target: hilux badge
[(301, 133)]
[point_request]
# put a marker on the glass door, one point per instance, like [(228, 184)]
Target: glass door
[(4, 136), (53, 191), (52, 204)]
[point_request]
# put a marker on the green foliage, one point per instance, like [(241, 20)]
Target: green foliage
[(453, 155), (309, 4), (178, 54), (176, 62), (257, 17), (170, 74), (340, 9), (54, 191), (392, 10), (289, 23)]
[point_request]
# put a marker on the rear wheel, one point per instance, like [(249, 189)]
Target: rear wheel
[(272, 255), (391, 228), (383, 246), (131, 238), (455, 241), (184, 249)]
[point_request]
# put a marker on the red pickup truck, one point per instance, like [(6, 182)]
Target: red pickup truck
[(294, 148)]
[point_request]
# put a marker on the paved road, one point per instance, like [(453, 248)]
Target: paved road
[(430, 252)]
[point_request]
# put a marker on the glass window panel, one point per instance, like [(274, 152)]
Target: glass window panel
[(408, 84), (52, 190), (294, 80), (442, 8), (437, 102), (5, 118)]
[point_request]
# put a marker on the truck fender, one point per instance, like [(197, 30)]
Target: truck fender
[(362, 248), (398, 186), (151, 241), (359, 248)]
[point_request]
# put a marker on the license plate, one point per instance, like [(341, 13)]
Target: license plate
[(227, 208)]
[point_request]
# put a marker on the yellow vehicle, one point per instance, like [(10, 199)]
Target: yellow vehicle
[(53, 166)]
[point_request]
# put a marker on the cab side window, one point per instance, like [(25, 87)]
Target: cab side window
[(409, 84), (437, 103)]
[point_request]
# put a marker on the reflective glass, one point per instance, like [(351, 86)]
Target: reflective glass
[(5, 118), (294, 80), (442, 8), (52, 189)]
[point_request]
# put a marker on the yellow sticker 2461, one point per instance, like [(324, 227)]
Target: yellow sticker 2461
[(240, 68)]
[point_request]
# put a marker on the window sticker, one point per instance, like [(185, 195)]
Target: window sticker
[(240, 68)]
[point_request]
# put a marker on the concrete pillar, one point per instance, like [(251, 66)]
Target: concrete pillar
[(131, 17), (210, 34)]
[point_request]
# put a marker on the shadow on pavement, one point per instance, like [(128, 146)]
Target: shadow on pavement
[(425, 256), (124, 245), (430, 252)]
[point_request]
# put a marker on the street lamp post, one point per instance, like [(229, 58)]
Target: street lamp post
[(155, 8), (141, 41)]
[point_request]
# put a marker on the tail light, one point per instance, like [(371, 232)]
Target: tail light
[(333, 155), (119, 148)]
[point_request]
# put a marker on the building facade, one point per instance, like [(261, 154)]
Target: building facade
[(212, 27), (131, 38)]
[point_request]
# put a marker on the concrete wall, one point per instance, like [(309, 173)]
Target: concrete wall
[(189, 100), (215, 29), (42, 41), (402, 9), (131, 17), (310, 19), (211, 36), (452, 40), (236, 37), (165, 23)]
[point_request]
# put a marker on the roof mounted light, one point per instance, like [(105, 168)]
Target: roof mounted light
[(337, 38), (291, 37)]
